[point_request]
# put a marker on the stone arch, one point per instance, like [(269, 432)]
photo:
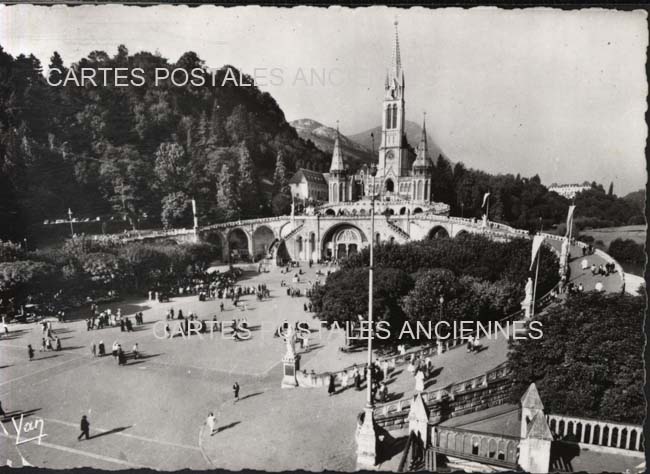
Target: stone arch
[(342, 240), (217, 239), (330, 212), (402, 211), (417, 210), (389, 184), (263, 238), (238, 244), (462, 233), (438, 232), (362, 212), (390, 212), (418, 193)]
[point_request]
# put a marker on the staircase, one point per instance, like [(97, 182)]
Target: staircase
[(398, 230), (293, 232)]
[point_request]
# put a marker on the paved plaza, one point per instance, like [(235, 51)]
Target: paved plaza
[(151, 412)]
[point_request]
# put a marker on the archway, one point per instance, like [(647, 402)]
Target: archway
[(462, 234), (216, 239), (263, 238), (438, 232), (238, 245), (341, 241), (330, 212), (402, 211), (390, 185), (417, 210)]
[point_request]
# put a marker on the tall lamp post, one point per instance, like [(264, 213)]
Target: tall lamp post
[(367, 438)]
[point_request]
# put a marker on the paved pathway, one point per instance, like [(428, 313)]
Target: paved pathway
[(150, 413)]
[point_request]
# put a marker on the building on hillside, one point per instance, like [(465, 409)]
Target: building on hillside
[(403, 180), (309, 185), (569, 191)]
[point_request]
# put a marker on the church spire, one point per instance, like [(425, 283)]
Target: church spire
[(396, 62), (421, 158), (337, 155)]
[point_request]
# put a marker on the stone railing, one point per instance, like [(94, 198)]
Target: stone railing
[(609, 434), (245, 222), (141, 235), (397, 229), (293, 232), (489, 448), (401, 406)]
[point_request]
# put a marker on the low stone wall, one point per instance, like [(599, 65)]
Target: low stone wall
[(476, 394)]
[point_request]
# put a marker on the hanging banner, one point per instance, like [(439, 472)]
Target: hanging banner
[(569, 219), (537, 244), (485, 198)]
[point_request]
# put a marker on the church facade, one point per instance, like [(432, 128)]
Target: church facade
[(403, 179)]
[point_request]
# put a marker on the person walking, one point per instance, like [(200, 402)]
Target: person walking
[(331, 389), (85, 428), (235, 389), (58, 343), (93, 349), (30, 351), (211, 422), (136, 351), (114, 349), (101, 349)]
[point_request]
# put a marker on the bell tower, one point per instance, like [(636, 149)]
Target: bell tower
[(393, 155)]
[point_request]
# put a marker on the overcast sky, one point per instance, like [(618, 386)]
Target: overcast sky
[(557, 93)]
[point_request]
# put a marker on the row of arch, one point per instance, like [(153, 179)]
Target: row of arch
[(338, 241), (492, 447), (601, 434), (366, 212)]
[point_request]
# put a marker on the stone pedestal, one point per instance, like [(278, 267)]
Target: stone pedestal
[(367, 441), (290, 366)]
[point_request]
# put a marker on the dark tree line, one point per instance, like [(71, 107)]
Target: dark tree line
[(522, 201), (139, 154)]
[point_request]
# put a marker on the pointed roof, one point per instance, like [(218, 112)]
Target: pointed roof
[(538, 428), (418, 410), (337, 154), (421, 158), (531, 398), (396, 62)]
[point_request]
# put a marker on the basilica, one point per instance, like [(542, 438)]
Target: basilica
[(402, 183)]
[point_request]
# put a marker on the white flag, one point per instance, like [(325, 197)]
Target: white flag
[(485, 198), (569, 219), (537, 244)]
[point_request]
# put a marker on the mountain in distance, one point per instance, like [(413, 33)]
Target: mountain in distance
[(323, 137), (413, 135)]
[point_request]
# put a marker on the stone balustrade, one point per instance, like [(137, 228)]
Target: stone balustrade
[(597, 432), (493, 449)]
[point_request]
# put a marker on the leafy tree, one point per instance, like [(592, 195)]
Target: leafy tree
[(23, 277), (176, 210), (10, 252), (588, 362), (103, 268), (227, 197)]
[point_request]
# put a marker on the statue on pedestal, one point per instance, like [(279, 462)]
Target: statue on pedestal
[(290, 361), (527, 304)]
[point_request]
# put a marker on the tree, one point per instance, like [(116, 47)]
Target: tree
[(589, 361), (104, 269), (170, 168), (247, 184), (175, 210), (610, 192), (227, 198)]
